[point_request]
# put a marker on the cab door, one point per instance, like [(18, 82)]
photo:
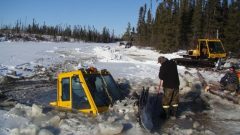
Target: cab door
[(64, 92), (80, 100)]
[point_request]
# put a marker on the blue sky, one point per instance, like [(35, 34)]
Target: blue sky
[(114, 14)]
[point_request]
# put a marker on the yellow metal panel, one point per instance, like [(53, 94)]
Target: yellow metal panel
[(196, 53), (65, 104), (68, 104), (53, 103)]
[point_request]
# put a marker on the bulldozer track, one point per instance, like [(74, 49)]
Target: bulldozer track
[(194, 63), (25, 85)]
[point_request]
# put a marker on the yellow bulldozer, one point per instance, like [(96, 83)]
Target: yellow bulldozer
[(206, 53), (86, 90), (208, 49)]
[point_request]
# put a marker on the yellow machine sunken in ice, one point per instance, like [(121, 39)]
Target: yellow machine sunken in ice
[(86, 90)]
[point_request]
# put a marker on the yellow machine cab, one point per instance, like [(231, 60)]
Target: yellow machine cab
[(86, 90), (208, 49)]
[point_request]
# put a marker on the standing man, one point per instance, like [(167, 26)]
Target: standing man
[(169, 81)]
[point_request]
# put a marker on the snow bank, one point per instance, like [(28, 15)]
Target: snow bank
[(110, 128)]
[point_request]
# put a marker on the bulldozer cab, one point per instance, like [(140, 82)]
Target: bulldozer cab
[(88, 91), (208, 49)]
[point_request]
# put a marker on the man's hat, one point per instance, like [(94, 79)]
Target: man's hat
[(232, 68), (161, 59)]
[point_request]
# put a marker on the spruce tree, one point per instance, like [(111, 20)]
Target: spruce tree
[(185, 21), (161, 21), (197, 22), (127, 34), (141, 26), (156, 29), (170, 27), (213, 18), (148, 28), (224, 13), (232, 29)]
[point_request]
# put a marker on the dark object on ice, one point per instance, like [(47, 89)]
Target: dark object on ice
[(2, 96), (121, 43), (128, 45), (143, 98), (145, 118), (230, 80), (5, 102), (150, 111), (216, 89)]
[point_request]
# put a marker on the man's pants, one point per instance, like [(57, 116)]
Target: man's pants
[(170, 99), (230, 87)]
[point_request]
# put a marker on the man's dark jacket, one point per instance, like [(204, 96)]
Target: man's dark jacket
[(169, 74)]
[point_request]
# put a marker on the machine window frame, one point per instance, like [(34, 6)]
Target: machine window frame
[(80, 97), (65, 89), (97, 89)]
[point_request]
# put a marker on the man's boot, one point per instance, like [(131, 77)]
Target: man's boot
[(167, 113), (174, 111)]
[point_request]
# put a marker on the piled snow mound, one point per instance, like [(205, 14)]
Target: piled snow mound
[(107, 54), (21, 110), (31, 120), (232, 61), (11, 121), (20, 120), (3, 39), (28, 130), (45, 132), (29, 112), (36, 111), (110, 128), (183, 82), (54, 121)]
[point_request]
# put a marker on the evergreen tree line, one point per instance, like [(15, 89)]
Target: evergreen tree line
[(179, 23), (87, 34)]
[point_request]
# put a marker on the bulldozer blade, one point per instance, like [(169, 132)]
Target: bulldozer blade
[(145, 117), (150, 110)]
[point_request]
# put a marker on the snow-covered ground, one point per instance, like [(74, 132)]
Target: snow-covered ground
[(137, 66)]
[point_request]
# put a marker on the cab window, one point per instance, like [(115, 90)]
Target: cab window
[(113, 89), (215, 47), (98, 90), (79, 98), (65, 89)]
